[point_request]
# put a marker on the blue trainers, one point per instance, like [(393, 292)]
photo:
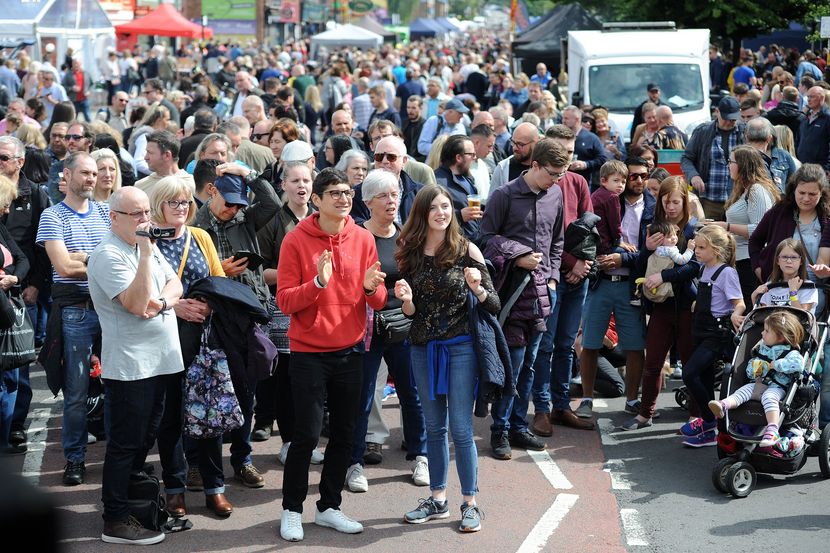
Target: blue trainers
[(696, 427), (704, 439), (470, 518), (428, 509), (389, 392)]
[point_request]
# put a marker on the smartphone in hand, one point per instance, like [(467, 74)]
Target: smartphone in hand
[(254, 259)]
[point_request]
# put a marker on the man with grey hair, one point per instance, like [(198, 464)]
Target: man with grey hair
[(253, 109), (760, 134), (70, 231), (244, 88), (500, 126), (253, 155), (589, 152)]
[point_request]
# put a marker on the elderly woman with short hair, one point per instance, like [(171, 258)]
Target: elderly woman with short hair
[(355, 163), (381, 193)]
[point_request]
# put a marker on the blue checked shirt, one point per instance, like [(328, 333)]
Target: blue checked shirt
[(719, 185)]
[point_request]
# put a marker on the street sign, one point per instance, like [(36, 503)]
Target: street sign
[(824, 32)]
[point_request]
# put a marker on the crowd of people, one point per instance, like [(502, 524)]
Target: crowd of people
[(422, 218)]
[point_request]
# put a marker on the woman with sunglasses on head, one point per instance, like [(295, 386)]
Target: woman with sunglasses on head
[(191, 253)]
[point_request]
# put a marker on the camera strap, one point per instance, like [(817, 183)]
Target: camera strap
[(184, 254)]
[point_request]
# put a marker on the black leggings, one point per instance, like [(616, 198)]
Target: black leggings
[(699, 377)]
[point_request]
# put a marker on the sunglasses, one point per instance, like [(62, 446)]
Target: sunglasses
[(4, 158), (74, 136), (637, 176), (391, 157), (256, 137)]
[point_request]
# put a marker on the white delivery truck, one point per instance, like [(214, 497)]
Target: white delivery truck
[(613, 67)]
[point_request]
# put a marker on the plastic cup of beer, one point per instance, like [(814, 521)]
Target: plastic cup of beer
[(474, 200)]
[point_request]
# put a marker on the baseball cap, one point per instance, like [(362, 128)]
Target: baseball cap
[(298, 150), (457, 105), (652, 86), (232, 188), (729, 109)]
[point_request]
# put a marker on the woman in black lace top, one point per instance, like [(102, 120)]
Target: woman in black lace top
[(439, 266)]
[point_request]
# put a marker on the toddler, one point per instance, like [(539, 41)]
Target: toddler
[(666, 256), (606, 203)]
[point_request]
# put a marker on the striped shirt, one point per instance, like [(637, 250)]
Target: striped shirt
[(80, 232)]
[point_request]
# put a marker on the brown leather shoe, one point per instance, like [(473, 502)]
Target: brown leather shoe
[(250, 476), (175, 505), (541, 425), (219, 504), (566, 417)]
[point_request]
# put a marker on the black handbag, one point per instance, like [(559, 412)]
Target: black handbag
[(392, 326), (17, 341)]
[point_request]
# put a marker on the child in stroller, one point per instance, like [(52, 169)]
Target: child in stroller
[(774, 366)]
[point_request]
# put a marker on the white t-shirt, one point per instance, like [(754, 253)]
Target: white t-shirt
[(132, 348), (781, 297)]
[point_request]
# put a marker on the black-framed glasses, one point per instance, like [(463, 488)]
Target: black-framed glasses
[(74, 136), (553, 175), (519, 144), (337, 194), (256, 137), (388, 155), (638, 176), (5, 157), (178, 204), (472, 154), (137, 215)]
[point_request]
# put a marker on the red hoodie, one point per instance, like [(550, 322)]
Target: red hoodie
[(334, 317)]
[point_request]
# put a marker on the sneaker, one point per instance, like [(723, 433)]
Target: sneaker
[(420, 471), (526, 440), (633, 408), (428, 509), (291, 526), (73, 473), (470, 518), (317, 457), (91, 439), (389, 392), (334, 518), (710, 437), (717, 409), (585, 409), (696, 427), (500, 446), (17, 437), (194, 480), (250, 476), (262, 433), (356, 480), (373, 454), (769, 438), (635, 424), (129, 532), (283, 454), (677, 372)]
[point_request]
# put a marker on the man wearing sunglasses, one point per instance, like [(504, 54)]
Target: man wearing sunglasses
[(69, 231)]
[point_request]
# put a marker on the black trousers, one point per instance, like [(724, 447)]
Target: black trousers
[(313, 376), (274, 400)]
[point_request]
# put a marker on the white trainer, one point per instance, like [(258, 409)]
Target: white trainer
[(291, 526), (317, 457), (420, 471), (283, 454), (356, 480), (334, 518)]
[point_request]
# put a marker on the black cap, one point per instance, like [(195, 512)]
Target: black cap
[(728, 108), (652, 86)]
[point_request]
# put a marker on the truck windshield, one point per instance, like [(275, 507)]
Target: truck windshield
[(621, 88)]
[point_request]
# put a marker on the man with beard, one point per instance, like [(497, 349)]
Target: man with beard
[(457, 157), (70, 231), (524, 139), (412, 126)]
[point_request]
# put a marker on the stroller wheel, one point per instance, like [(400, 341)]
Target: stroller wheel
[(824, 452), (719, 473), (680, 398), (740, 479)]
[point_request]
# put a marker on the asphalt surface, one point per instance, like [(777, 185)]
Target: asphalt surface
[(604, 491)]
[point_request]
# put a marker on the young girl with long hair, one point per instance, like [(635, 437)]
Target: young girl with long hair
[(790, 267)]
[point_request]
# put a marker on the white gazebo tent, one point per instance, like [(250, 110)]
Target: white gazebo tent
[(346, 35), (80, 24)]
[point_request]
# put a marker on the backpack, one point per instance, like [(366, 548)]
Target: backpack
[(147, 505)]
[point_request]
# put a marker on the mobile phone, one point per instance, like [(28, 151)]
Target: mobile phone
[(254, 259)]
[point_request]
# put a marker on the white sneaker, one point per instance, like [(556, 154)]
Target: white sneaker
[(317, 457), (420, 471), (334, 518), (291, 526), (356, 480), (283, 454)]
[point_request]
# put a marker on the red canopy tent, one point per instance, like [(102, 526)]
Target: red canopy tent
[(164, 21)]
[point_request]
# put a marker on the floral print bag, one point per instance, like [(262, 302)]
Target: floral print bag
[(210, 404)]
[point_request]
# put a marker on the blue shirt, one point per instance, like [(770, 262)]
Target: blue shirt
[(430, 132)]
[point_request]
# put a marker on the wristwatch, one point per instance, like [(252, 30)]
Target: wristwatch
[(251, 177), (163, 304), (86, 260)]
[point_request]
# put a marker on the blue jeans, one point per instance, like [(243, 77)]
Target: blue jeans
[(241, 437), (8, 395), (80, 328), (510, 412), (83, 107), (555, 357), (454, 410), (414, 428)]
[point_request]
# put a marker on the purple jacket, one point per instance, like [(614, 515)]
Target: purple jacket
[(516, 222)]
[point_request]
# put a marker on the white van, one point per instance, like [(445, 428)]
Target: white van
[(611, 68)]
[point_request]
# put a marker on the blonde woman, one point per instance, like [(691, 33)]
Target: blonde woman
[(434, 157), (109, 174), (786, 141), (313, 109), (31, 135)]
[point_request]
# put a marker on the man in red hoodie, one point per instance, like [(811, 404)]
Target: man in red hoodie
[(328, 272)]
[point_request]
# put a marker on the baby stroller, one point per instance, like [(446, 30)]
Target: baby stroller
[(742, 428)]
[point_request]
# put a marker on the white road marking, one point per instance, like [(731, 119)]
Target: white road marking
[(635, 535), (547, 525), (551, 470), (36, 436), (615, 468)]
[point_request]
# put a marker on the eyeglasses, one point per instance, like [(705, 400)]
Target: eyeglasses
[(730, 161), (178, 204), (4, 157), (74, 136), (337, 194), (387, 195), (519, 144), (638, 176), (471, 154), (390, 156), (256, 137), (789, 258), (556, 176), (137, 215)]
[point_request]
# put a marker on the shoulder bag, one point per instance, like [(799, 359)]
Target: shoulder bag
[(17, 340)]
